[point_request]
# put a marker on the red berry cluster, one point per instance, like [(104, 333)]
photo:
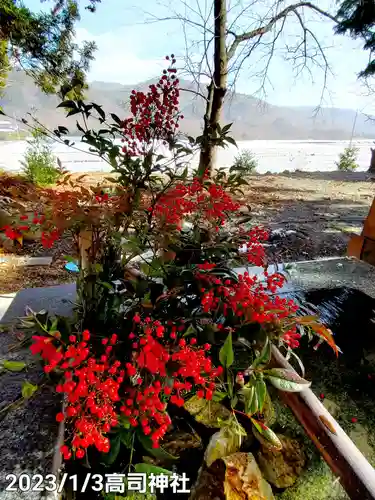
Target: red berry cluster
[(155, 114), (250, 299), (204, 200), (157, 351), (14, 232), (91, 385), (11, 233), (163, 368), (255, 251), (291, 338), (48, 239)]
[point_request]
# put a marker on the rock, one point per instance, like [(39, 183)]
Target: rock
[(282, 468), (210, 483), (236, 477), (243, 479), (222, 443), (179, 441), (209, 413)]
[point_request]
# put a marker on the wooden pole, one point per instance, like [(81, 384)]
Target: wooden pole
[(85, 242)]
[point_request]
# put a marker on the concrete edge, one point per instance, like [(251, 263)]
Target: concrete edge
[(57, 463)]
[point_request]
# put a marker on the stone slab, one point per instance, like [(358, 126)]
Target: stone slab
[(55, 299), (20, 261), (6, 300), (331, 272), (29, 433)]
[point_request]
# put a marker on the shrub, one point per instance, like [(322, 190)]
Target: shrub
[(39, 165), (348, 159), (246, 162), (185, 329)]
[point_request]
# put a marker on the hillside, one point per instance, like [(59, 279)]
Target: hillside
[(252, 119)]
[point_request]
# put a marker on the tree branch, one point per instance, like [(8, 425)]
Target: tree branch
[(196, 92), (267, 27)]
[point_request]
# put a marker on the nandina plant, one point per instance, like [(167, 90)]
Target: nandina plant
[(103, 392), (161, 248), (179, 309)]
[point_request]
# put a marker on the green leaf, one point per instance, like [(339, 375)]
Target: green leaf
[(80, 128), (265, 435), (63, 130), (248, 397), (253, 396), (261, 391), (14, 366), (99, 110), (68, 105), (264, 357), (106, 285), (69, 258), (230, 383), (226, 128), (226, 354), (269, 412), (190, 331), (208, 413), (145, 268), (72, 113), (159, 453), (151, 469), (98, 268), (218, 396), (2, 112), (116, 119), (53, 327), (126, 437), (28, 389), (286, 380), (110, 457), (230, 140)]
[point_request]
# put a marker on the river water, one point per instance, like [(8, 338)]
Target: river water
[(272, 156)]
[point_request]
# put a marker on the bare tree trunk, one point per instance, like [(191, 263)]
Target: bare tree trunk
[(372, 163), (216, 90)]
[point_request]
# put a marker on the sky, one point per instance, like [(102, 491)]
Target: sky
[(132, 49)]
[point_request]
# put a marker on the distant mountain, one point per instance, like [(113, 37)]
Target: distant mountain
[(252, 119)]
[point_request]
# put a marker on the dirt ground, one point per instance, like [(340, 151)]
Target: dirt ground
[(311, 215)]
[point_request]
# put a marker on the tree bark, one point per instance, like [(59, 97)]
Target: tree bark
[(372, 163), (216, 91)]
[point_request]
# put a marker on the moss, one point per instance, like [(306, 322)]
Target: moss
[(350, 390), (317, 482)]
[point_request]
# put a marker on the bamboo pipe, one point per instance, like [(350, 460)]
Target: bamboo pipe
[(356, 475)]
